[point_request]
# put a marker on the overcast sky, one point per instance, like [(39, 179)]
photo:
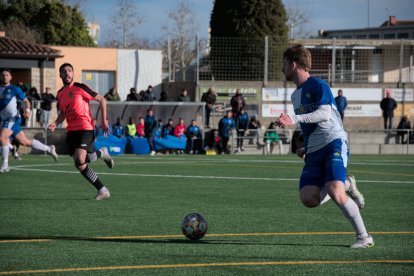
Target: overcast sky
[(323, 14)]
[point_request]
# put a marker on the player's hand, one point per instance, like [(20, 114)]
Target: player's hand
[(27, 113), (301, 153), (105, 129), (52, 127), (284, 120)]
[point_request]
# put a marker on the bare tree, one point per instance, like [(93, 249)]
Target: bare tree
[(126, 21), (180, 31), (298, 18)]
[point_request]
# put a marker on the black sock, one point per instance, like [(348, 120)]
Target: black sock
[(91, 176)]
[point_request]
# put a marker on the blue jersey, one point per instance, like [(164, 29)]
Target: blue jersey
[(242, 121), (193, 131), (225, 127), (306, 99), (8, 101), (150, 125)]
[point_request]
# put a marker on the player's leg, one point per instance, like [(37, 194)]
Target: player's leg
[(280, 144), (36, 144), (5, 134), (102, 154)]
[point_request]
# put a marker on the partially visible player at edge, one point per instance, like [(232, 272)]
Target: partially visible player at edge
[(324, 174), (73, 101), (10, 120)]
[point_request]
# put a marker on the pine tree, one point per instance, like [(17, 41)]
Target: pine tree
[(238, 30)]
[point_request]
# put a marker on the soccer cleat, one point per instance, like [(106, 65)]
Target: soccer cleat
[(4, 168), (363, 242), (53, 153), (354, 193), (102, 195), (106, 157), (152, 153)]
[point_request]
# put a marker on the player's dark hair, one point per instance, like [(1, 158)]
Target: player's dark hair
[(64, 65), (300, 55), (6, 69)]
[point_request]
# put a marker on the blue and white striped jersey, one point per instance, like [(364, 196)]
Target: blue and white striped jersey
[(8, 101)]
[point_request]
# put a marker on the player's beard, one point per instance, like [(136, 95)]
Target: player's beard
[(67, 80)]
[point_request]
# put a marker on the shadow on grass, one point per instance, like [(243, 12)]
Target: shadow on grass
[(205, 241)]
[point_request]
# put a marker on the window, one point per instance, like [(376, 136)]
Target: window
[(373, 36), (402, 35), (389, 36), (361, 37)]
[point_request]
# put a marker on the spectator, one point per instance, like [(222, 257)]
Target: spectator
[(150, 127), (341, 103), (46, 107), (133, 96), (193, 137), (179, 131), (183, 96), (254, 128), (271, 138), (112, 95), (225, 128), (131, 129), (388, 105), (237, 102), (33, 96), (148, 96), (164, 97), (404, 125), (158, 130), (242, 123), (34, 99), (209, 98), (168, 129), (214, 141), (118, 129), (141, 127)]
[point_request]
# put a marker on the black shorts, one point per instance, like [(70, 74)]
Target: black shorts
[(80, 139)]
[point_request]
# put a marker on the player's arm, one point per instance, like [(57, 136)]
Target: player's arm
[(59, 120), (104, 123), (27, 104), (322, 114)]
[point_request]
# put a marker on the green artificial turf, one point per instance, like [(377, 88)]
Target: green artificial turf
[(257, 224)]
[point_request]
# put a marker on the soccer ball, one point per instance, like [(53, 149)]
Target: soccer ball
[(194, 226)]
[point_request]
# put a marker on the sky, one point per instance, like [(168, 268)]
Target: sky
[(323, 14)]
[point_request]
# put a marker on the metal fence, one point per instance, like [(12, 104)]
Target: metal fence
[(336, 61)]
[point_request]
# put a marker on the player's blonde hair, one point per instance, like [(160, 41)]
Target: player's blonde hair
[(300, 55)]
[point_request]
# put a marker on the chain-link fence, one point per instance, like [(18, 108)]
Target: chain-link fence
[(336, 61)]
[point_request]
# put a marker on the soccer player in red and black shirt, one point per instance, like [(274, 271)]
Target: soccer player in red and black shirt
[(73, 102)]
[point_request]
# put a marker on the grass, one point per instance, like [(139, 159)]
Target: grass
[(256, 221)]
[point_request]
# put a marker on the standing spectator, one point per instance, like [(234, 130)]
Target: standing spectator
[(179, 131), (341, 103), (404, 125), (237, 102), (242, 123), (209, 98), (133, 96), (150, 126), (141, 127), (46, 106), (164, 97), (193, 137), (148, 96), (34, 99), (168, 129), (183, 96), (112, 95), (271, 138), (118, 128), (131, 129), (225, 128), (388, 105)]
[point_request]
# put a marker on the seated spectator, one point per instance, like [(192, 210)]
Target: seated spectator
[(404, 125), (183, 96), (158, 130), (112, 95), (168, 129), (141, 127), (118, 129), (254, 130), (133, 96), (214, 142), (148, 95), (164, 97), (193, 134), (131, 129), (271, 138), (179, 131)]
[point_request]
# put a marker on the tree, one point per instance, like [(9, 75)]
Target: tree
[(49, 21), (238, 31), (126, 21), (298, 17)]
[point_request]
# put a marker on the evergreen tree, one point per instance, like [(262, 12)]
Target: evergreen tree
[(50, 22), (238, 30)]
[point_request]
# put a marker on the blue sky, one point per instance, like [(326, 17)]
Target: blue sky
[(323, 14)]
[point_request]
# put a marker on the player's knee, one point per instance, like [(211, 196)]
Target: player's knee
[(80, 164)]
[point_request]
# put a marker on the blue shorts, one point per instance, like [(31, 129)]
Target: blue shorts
[(13, 123), (326, 164)]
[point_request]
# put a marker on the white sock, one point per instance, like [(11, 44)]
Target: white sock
[(5, 153), (323, 195), (103, 189), (36, 144), (347, 184), (351, 212), (10, 146)]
